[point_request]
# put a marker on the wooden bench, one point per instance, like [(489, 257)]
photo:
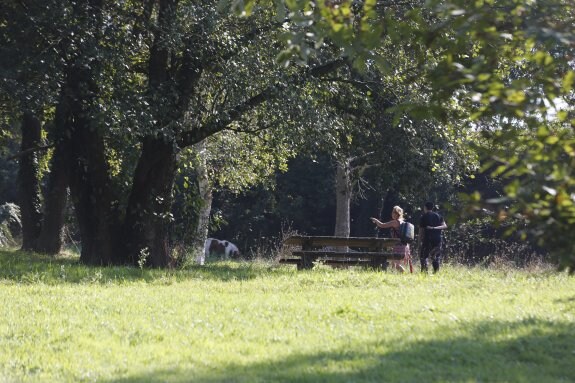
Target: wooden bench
[(336, 251)]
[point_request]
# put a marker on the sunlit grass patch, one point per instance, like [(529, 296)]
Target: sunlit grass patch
[(257, 321)]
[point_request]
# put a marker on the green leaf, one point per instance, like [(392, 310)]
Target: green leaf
[(542, 131), (562, 115), (499, 170), (568, 81), (551, 140)]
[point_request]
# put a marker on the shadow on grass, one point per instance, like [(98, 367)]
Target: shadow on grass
[(25, 267), (524, 351)]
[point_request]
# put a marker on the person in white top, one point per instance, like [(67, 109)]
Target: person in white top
[(396, 220)]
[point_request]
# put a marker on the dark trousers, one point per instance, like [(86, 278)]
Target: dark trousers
[(430, 250)]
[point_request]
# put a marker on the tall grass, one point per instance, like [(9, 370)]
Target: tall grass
[(258, 322)]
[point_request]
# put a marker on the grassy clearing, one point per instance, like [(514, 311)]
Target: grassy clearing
[(255, 322)]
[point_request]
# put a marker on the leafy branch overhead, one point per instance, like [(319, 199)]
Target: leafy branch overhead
[(505, 68)]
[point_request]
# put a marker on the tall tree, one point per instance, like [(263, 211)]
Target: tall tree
[(29, 73), (494, 58), (106, 71)]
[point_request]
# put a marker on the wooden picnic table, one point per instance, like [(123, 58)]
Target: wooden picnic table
[(336, 251)]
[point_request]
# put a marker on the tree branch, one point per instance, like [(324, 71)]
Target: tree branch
[(249, 131), (360, 157), (222, 120), (31, 150), (353, 82)]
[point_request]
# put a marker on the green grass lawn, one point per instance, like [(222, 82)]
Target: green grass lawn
[(257, 322)]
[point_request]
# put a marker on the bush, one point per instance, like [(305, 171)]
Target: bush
[(10, 224), (479, 242)]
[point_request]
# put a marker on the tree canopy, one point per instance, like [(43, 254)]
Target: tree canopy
[(506, 64), (122, 90)]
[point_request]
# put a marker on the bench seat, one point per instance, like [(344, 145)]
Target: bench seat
[(348, 255)]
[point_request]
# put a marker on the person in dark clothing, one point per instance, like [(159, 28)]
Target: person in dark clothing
[(431, 224)]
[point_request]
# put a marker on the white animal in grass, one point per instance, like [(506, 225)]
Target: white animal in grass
[(217, 248)]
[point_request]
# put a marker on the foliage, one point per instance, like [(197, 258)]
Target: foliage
[(533, 143), (504, 60), (158, 72), (478, 242), (62, 321), (237, 161), (540, 186), (518, 72), (6, 238), (444, 68), (302, 198), (30, 67)]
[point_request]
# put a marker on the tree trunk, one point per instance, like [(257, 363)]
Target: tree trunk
[(90, 185), (56, 194), (343, 198), (29, 184), (148, 214), (206, 195), (55, 198), (89, 179)]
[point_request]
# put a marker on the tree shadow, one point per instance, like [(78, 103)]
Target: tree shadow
[(530, 350), (25, 267)]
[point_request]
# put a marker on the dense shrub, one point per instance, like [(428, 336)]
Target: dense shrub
[(478, 241)]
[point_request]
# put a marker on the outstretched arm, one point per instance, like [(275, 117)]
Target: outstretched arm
[(383, 225)]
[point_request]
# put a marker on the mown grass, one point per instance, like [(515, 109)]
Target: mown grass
[(257, 322)]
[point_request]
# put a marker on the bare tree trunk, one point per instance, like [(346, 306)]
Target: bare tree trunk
[(28, 182), (206, 196), (343, 198)]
